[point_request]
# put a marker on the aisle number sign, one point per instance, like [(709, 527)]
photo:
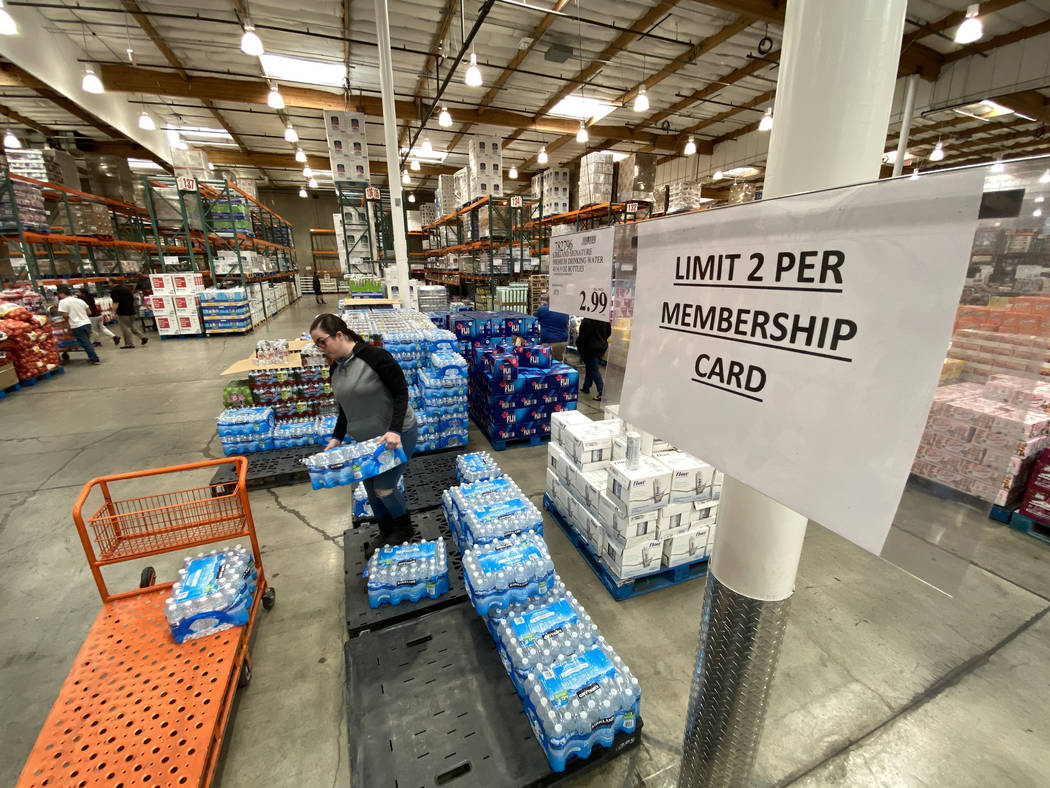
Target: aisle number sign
[(371, 193), (185, 184), (796, 343), (515, 201), (581, 273)]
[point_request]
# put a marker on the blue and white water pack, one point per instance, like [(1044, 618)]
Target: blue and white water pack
[(476, 467), (407, 572), (506, 571), (214, 592)]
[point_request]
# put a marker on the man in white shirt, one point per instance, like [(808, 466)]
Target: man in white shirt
[(79, 320)]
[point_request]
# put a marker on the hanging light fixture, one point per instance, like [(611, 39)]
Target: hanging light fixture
[(146, 122), (1037, 212), (473, 75), (541, 157), (290, 134), (404, 178), (275, 99), (211, 166), (307, 172), (766, 124), (717, 176), (90, 83), (312, 183), (300, 155), (1045, 177), (302, 191), (11, 141), (998, 166), (690, 147), (971, 28), (641, 101), (937, 154), (414, 165), (7, 24), (513, 173), (411, 197), (581, 134), (251, 44), (426, 147), (444, 119)]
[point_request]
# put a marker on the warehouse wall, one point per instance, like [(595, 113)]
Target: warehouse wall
[(313, 211)]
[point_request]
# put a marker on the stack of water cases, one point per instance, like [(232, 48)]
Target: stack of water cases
[(214, 592), (514, 387), (577, 692), (407, 573), (245, 430), (294, 393), (484, 511), (476, 467), (351, 462), (435, 372)]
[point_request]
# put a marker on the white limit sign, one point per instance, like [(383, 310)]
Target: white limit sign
[(581, 273)]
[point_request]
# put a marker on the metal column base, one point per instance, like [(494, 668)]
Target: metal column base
[(739, 646)]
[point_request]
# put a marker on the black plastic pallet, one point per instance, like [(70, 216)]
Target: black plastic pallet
[(361, 618), (272, 468), (429, 703), (427, 477)]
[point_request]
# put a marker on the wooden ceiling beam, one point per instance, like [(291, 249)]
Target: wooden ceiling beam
[(225, 157), (1005, 39), (29, 123), (953, 19), (1027, 102)]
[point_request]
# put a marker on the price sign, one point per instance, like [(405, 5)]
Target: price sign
[(632, 207), (184, 184), (581, 273), (371, 193), (515, 202)]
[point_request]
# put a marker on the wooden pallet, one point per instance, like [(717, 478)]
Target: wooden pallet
[(498, 445), (32, 381), (635, 586), (1033, 528)]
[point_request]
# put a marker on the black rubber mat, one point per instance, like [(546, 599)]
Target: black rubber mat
[(429, 704), (272, 468), (361, 618)]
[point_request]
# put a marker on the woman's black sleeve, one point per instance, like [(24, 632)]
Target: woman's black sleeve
[(340, 425)]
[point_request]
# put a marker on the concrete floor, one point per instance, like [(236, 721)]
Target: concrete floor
[(882, 680)]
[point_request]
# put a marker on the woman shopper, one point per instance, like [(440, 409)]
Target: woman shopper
[(591, 344), (98, 324), (372, 395)]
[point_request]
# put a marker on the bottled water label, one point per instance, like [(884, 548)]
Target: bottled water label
[(407, 572)]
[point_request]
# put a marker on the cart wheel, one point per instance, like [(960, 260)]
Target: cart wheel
[(148, 577), (65, 357), (246, 676), (269, 599)]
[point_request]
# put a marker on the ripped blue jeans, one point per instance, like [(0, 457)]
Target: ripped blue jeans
[(383, 494)]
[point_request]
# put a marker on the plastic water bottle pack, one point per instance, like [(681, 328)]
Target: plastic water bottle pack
[(214, 592), (441, 340), (448, 365), (514, 516), (407, 572), (351, 463), (579, 701), (295, 432), (476, 467), (236, 445), (507, 571), (457, 501), (239, 422), (541, 632)]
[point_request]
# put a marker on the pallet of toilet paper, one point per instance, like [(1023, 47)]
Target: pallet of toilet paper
[(638, 517)]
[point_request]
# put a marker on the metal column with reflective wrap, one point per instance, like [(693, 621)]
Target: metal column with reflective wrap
[(834, 95)]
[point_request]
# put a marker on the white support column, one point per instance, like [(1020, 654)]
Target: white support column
[(834, 93), (909, 110), (393, 167)]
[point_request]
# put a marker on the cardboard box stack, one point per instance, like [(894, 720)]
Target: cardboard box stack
[(982, 439), (683, 196), (596, 179), (192, 163), (175, 303), (230, 215), (445, 195), (28, 208), (225, 311), (53, 166), (639, 516), (110, 176), (428, 211), (636, 178), (347, 146), (485, 165), (89, 218), (556, 187)]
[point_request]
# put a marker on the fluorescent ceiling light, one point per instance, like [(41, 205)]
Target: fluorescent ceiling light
[(705, 199), (742, 172), (582, 108), (719, 175), (214, 143), (307, 72), (618, 155), (202, 133), (971, 29), (434, 157), (986, 110), (891, 157), (143, 164)]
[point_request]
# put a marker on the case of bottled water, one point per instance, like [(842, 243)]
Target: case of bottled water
[(352, 462), (441, 340), (456, 501), (407, 572), (476, 467), (541, 632), (499, 520), (581, 700), (507, 571), (294, 432), (244, 422), (446, 364), (214, 592)]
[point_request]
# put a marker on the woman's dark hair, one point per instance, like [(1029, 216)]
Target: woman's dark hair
[(333, 324)]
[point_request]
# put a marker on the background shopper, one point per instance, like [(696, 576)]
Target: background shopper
[(554, 330), (591, 344), (318, 298), (76, 311), (98, 325), (125, 301), (370, 389)]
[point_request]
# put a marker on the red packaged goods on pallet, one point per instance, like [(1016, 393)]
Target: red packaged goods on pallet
[(27, 341)]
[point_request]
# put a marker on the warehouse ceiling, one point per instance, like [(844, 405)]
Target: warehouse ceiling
[(709, 69)]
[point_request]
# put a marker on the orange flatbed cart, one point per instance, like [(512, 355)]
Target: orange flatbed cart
[(138, 709)]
